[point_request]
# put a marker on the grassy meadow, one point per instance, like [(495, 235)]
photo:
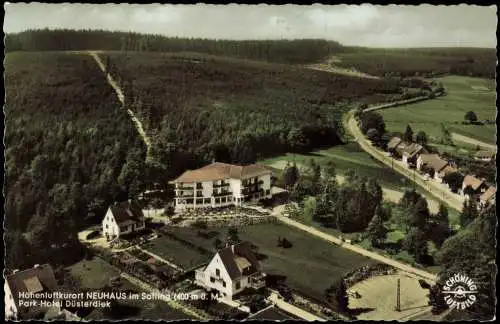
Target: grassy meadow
[(463, 94), (325, 263), (346, 157)]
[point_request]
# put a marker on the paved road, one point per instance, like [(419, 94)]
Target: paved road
[(437, 190), (294, 310), (121, 97), (328, 237), (468, 140)]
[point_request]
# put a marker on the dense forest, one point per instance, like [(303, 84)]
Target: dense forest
[(282, 51), (68, 148), (478, 62), (427, 62), (233, 110)]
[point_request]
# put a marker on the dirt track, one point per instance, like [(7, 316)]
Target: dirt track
[(121, 97)]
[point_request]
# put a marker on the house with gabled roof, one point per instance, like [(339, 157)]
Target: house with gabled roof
[(37, 280), (221, 184), (472, 186), (231, 270), (410, 153), (123, 218), (434, 162)]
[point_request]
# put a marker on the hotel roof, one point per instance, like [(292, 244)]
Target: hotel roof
[(220, 171)]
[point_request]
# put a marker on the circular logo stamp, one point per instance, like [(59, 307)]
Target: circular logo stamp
[(459, 291)]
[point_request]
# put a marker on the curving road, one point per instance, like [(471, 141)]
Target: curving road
[(437, 190)]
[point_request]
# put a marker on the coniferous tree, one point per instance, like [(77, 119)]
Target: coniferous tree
[(408, 135), (376, 230)]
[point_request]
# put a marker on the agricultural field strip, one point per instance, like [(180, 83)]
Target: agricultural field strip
[(340, 70), (357, 249), (468, 140), (398, 103), (121, 97), (452, 200)]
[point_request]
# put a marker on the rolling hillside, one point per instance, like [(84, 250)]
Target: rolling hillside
[(237, 110)]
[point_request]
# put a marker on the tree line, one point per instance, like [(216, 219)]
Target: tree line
[(282, 51)]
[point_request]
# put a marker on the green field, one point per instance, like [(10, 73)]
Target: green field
[(310, 265), (176, 252), (346, 157), (463, 94)]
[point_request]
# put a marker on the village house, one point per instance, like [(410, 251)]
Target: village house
[(472, 186), (122, 218), (435, 163), (447, 169), (488, 197), (231, 270), (393, 144), (220, 184), (39, 279), (410, 153), (485, 156)]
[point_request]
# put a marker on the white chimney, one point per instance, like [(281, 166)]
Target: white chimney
[(36, 266)]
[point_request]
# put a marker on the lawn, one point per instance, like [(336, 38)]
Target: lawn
[(463, 94), (345, 157), (310, 266), (176, 252)]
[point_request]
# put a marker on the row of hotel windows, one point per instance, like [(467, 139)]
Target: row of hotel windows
[(221, 200)]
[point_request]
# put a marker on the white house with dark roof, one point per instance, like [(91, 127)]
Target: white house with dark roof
[(221, 184), (410, 153), (123, 218), (231, 270), (39, 279)]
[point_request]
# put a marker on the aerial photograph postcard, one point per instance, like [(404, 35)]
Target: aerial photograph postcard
[(208, 162)]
